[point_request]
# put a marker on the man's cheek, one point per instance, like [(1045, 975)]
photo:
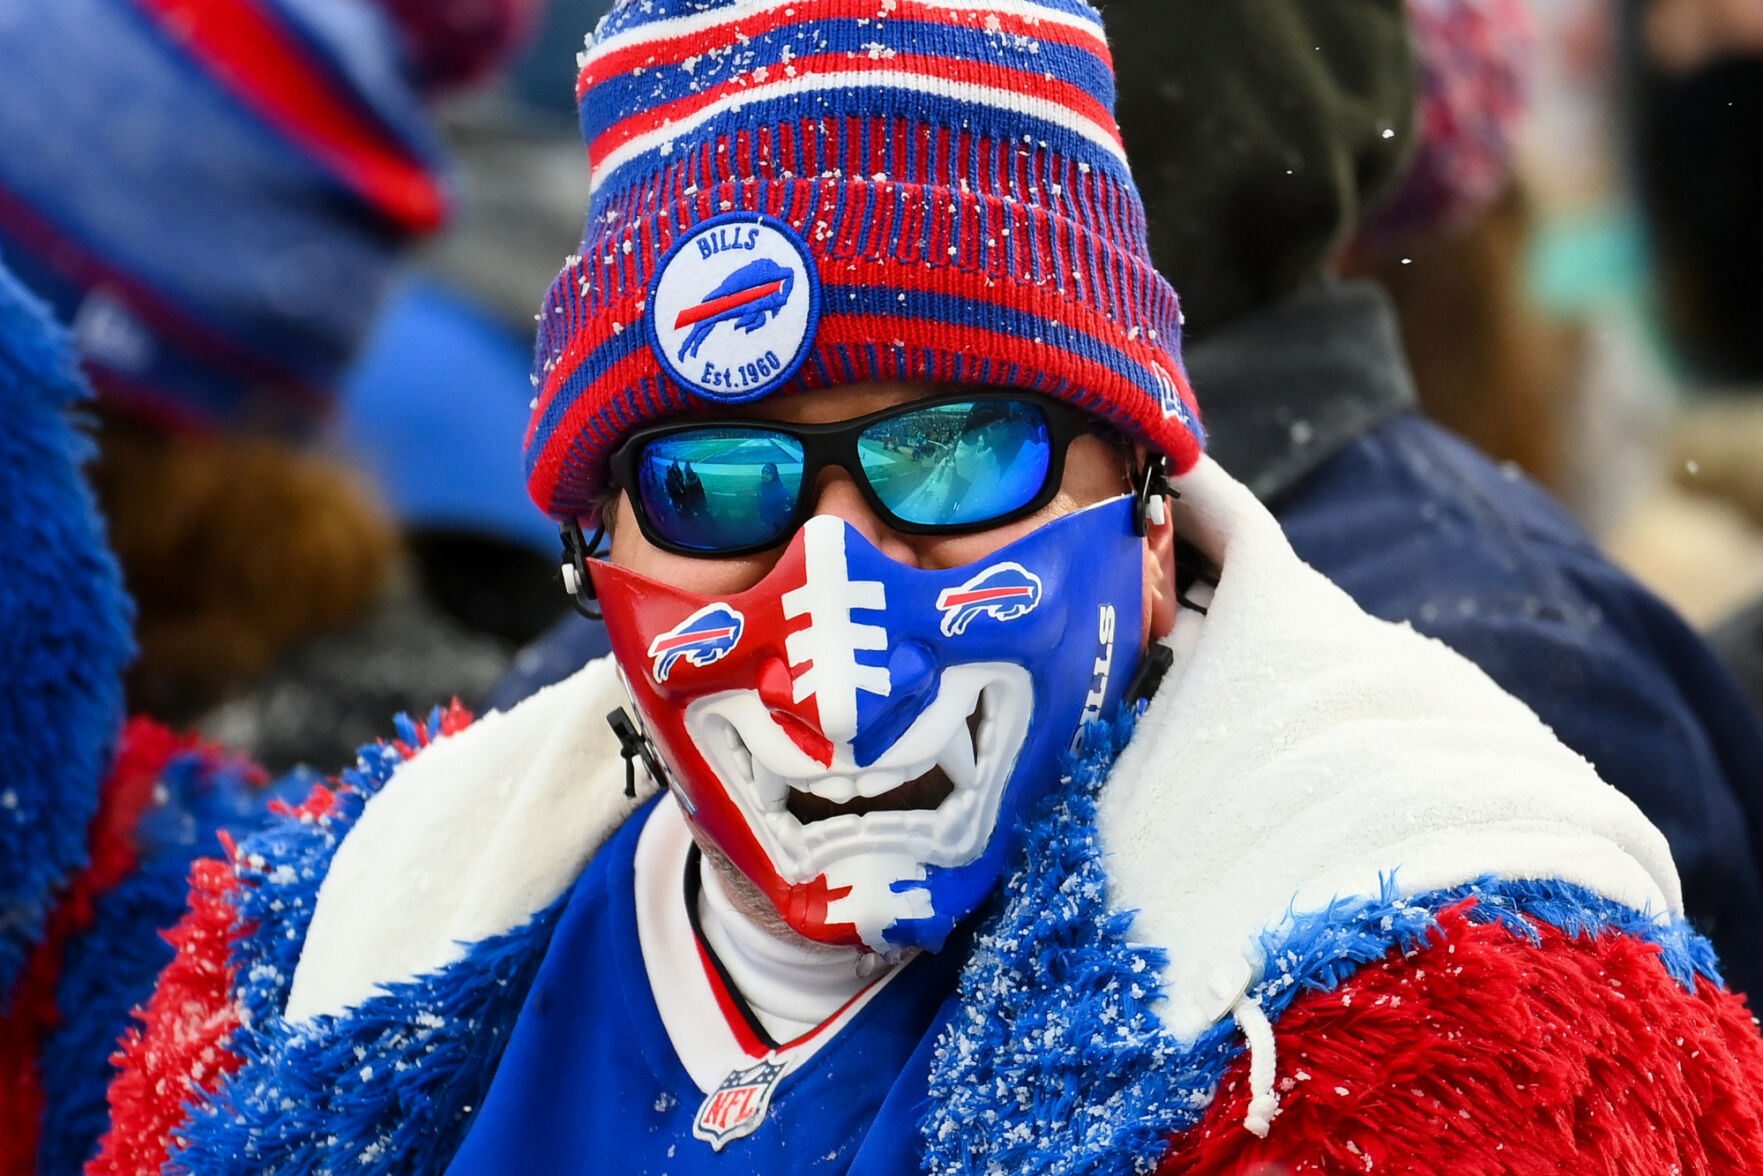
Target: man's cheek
[(1159, 596)]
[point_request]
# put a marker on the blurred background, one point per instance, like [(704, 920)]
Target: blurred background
[(1574, 261)]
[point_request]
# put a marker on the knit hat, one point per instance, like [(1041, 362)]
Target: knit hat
[(1475, 61), (212, 192), (798, 194)]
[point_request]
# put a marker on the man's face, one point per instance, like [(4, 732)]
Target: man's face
[(1095, 471), (858, 718)]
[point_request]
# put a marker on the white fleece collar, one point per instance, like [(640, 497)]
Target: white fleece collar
[(1298, 752), (478, 833)]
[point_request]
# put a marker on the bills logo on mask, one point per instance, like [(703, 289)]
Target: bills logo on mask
[(734, 307), (862, 738), (707, 636), (1003, 592)]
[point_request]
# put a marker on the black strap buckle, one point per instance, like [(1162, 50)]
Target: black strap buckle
[(1151, 485), (634, 745), (578, 585)]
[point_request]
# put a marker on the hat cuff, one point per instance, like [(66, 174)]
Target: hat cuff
[(919, 284)]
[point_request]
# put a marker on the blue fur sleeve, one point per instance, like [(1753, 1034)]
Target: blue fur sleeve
[(64, 627)]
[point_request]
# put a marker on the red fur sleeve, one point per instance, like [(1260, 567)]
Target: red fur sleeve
[(1488, 1055), (181, 1051), (29, 1014)]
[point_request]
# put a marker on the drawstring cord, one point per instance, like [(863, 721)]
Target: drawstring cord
[(1263, 1061)]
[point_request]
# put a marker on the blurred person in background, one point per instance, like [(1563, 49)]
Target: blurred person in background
[(1697, 107), (214, 194), (458, 331), (1634, 199), (211, 196), (1263, 135), (446, 374), (1452, 244)]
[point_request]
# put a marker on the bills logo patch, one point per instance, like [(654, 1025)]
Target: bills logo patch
[(753, 295), (734, 307), (1003, 592), (707, 636), (735, 1109)]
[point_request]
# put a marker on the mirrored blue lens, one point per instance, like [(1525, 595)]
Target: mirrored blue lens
[(721, 488), (954, 465)]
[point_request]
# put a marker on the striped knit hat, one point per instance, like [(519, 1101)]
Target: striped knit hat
[(212, 192), (798, 194)]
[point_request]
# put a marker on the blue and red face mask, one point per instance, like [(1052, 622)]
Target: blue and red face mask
[(862, 738)]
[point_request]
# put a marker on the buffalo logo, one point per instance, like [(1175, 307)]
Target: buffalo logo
[(705, 637), (1003, 592), (735, 1109), (750, 297)]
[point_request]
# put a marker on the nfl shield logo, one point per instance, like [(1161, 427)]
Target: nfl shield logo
[(735, 1109)]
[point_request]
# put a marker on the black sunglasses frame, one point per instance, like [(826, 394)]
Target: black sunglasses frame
[(835, 444)]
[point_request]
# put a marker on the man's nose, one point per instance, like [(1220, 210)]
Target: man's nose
[(836, 494)]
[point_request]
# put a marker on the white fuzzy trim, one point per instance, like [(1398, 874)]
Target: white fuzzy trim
[(467, 841), (1302, 750)]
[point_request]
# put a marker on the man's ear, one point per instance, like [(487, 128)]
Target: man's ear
[(1160, 583)]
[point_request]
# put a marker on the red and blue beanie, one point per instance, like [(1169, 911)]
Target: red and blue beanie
[(213, 193), (799, 194)]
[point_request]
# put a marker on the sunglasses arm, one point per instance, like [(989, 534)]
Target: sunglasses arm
[(577, 551)]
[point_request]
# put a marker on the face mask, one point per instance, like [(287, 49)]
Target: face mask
[(862, 738)]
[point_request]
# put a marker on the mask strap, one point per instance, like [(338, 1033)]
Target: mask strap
[(1152, 488), (1153, 668), (633, 745), (577, 551)]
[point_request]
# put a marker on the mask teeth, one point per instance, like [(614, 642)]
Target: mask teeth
[(738, 749), (988, 730), (768, 788), (957, 759), (772, 790), (838, 789)]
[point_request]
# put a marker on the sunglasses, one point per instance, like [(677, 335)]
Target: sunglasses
[(945, 466)]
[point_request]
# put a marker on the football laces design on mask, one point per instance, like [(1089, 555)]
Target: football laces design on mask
[(860, 737)]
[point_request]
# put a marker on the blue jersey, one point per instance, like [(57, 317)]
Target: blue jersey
[(633, 1056)]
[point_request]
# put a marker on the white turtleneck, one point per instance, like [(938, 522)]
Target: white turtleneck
[(793, 987)]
